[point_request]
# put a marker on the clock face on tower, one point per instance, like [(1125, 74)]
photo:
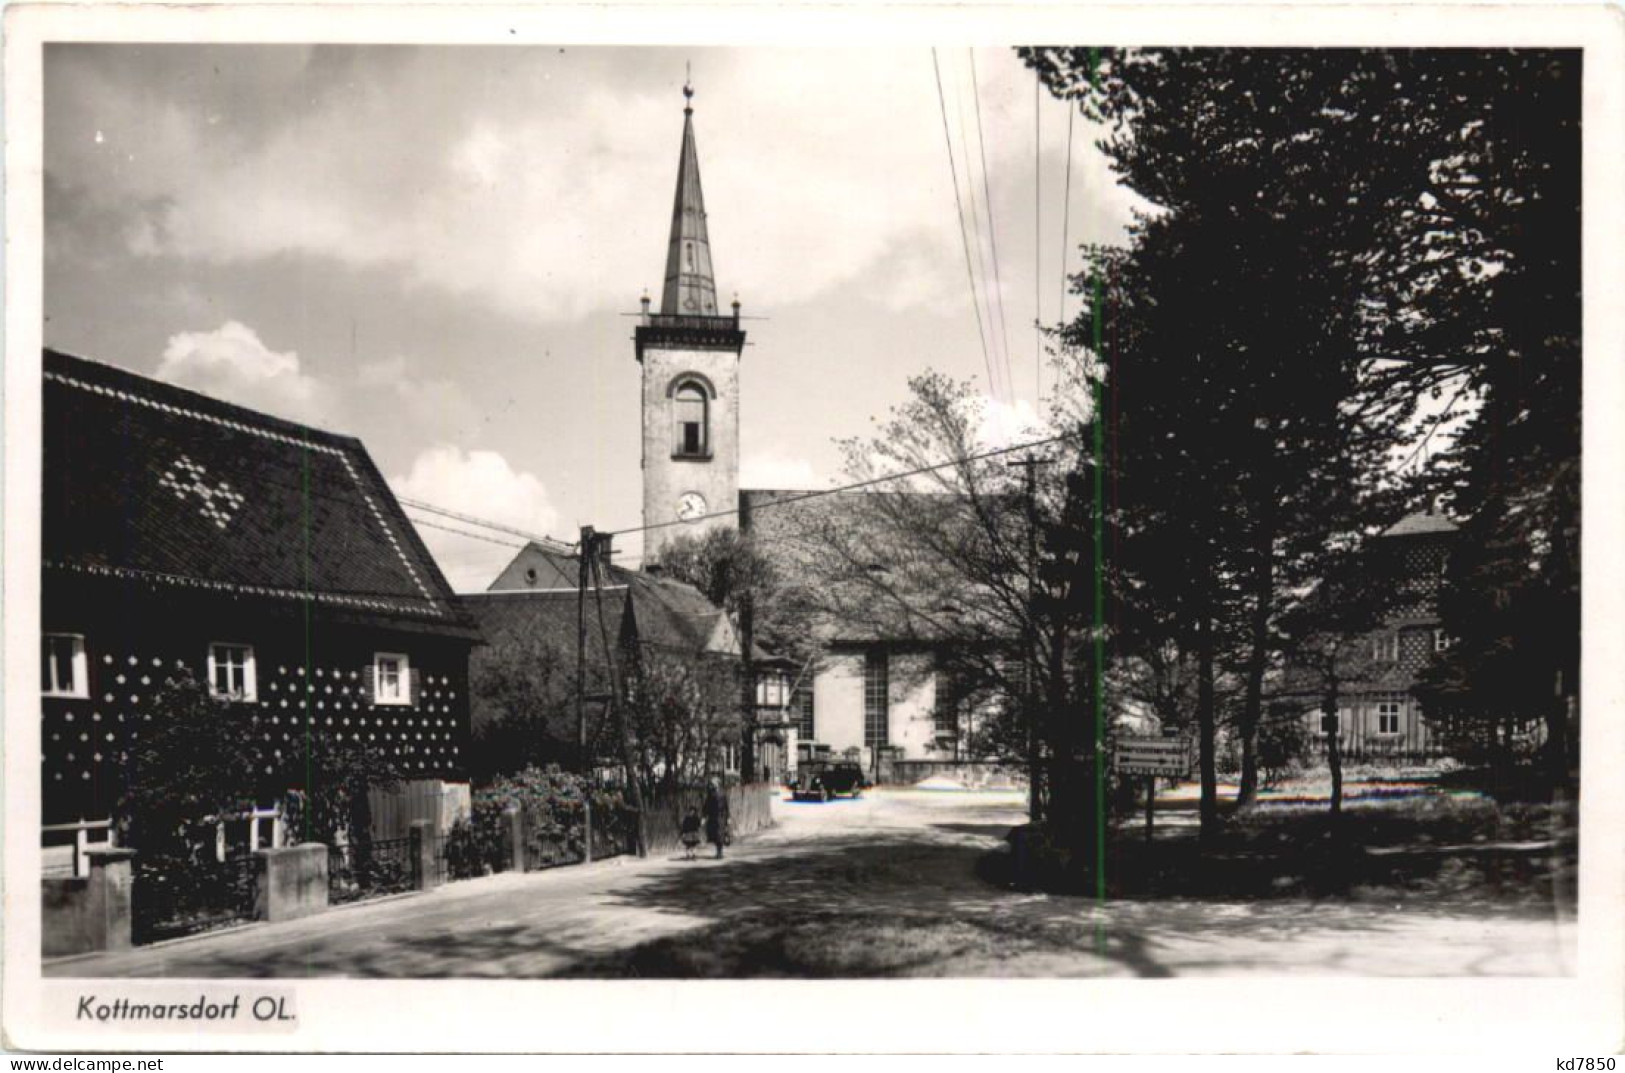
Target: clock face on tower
[(690, 506)]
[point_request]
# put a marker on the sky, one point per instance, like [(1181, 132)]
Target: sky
[(438, 249)]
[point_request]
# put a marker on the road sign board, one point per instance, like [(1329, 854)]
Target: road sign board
[(1153, 756)]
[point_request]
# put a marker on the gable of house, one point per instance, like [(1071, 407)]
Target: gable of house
[(152, 483)]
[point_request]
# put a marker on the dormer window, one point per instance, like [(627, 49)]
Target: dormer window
[(692, 420)]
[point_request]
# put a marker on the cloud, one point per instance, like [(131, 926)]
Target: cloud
[(436, 404), (772, 469), (484, 485), (540, 185), (1006, 425), (232, 363)]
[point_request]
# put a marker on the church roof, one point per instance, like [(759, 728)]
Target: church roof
[(664, 612), (691, 288), (1419, 523), (815, 541), (154, 484)]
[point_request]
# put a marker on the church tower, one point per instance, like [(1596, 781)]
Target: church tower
[(690, 357)]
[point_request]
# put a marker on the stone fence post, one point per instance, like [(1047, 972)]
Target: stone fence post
[(110, 883), (88, 913), (291, 881), (513, 838), (422, 847)]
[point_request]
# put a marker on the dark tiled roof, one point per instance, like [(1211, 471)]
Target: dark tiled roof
[(797, 533), (678, 617), (547, 618), (1419, 523), (537, 566), (152, 483)]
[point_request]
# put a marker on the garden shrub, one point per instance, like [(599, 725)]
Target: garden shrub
[(553, 803)]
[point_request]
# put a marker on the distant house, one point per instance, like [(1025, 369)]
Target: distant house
[(1377, 713), (267, 558), (532, 617)]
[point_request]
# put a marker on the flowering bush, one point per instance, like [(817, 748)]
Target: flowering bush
[(553, 804)]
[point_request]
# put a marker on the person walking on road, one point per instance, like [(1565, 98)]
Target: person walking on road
[(691, 833), (716, 816)]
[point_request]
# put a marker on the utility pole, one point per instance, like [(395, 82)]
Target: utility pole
[(1030, 463), (747, 668), (583, 556), (600, 552)]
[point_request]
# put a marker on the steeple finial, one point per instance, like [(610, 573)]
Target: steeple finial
[(688, 88), (690, 288)]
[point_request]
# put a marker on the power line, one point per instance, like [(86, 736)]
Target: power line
[(1437, 422), (465, 533), (992, 232), (1038, 245), (1066, 211), (1001, 356), (887, 478), (483, 523), (964, 239)]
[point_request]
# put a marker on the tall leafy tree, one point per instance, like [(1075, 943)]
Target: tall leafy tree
[(1416, 211), (992, 570), (1231, 334)]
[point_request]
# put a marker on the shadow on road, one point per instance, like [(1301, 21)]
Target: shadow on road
[(938, 900)]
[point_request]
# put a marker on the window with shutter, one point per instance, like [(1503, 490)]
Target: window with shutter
[(393, 679)]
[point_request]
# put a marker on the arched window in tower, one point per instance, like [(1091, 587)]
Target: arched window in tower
[(693, 438)]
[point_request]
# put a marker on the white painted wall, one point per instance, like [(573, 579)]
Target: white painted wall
[(913, 694), (838, 701)]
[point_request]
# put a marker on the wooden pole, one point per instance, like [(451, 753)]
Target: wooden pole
[(617, 694), (1150, 805), (583, 550)]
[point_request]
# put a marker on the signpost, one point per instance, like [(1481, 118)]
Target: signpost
[(1153, 758)]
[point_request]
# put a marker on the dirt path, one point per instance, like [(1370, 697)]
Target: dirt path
[(894, 884)]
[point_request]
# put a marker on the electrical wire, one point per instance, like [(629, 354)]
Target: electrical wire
[(1437, 422), (992, 232), (484, 523), (964, 238), (1038, 245), (1001, 359), (466, 533), (1066, 212), (885, 479)]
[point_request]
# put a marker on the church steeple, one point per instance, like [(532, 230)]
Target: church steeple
[(691, 289)]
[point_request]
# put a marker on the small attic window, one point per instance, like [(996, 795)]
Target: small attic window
[(530, 575)]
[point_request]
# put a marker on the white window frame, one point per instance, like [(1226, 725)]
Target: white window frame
[(1397, 714), (1385, 648), (249, 693), (1344, 715), (1442, 641), (404, 678), (79, 688)]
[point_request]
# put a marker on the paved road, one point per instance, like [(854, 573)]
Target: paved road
[(903, 883)]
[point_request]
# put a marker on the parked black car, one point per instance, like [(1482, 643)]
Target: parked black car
[(820, 782)]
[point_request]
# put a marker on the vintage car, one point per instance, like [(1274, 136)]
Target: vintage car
[(822, 781)]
